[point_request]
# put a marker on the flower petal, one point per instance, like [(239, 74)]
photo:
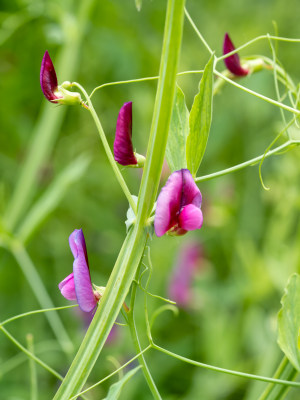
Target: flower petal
[(190, 218), (83, 285), (48, 78), (67, 287), (123, 150), (190, 191), (168, 204), (232, 62)]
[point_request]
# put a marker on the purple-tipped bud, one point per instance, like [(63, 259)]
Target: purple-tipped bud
[(78, 285), (50, 88), (123, 150), (233, 62), (48, 79), (178, 205)]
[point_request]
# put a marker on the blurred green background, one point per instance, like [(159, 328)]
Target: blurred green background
[(250, 238)]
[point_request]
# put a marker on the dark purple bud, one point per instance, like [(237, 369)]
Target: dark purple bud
[(48, 79), (233, 62), (178, 205), (123, 150)]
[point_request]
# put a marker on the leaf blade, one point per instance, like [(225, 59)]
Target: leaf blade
[(178, 132), (200, 119), (289, 321), (115, 389)]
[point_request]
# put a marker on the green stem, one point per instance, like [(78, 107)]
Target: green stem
[(32, 369), (107, 149), (136, 342), (50, 120), (227, 371), (284, 371), (19, 252), (133, 247), (260, 96), (251, 162), (29, 354)]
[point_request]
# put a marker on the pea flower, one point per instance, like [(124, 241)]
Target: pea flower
[(232, 62), (50, 88), (187, 264), (78, 286), (178, 205), (123, 149)]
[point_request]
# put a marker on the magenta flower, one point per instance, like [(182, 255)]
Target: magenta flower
[(78, 286), (50, 88), (178, 205), (123, 150), (233, 62), (188, 262), (48, 79)]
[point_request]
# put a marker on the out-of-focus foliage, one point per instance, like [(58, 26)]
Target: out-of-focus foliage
[(250, 237)]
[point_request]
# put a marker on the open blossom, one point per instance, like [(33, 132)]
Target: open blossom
[(183, 274), (178, 205), (50, 88), (78, 286), (123, 149), (232, 62)]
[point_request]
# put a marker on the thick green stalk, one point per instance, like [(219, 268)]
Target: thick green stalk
[(50, 120), (133, 247)]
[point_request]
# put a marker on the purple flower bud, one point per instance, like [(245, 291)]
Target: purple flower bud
[(188, 262), (233, 62), (178, 205), (123, 150), (50, 88), (48, 79), (78, 285)]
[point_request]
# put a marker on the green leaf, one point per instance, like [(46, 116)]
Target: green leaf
[(289, 321), (115, 389), (138, 4), (178, 132), (200, 119)]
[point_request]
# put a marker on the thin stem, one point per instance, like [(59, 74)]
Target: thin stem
[(285, 371), (137, 80), (34, 280), (136, 342), (197, 31), (107, 149), (29, 354), (251, 162), (226, 371), (283, 39), (112, 374), (260, 96), (15, 317), (32, 369)]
